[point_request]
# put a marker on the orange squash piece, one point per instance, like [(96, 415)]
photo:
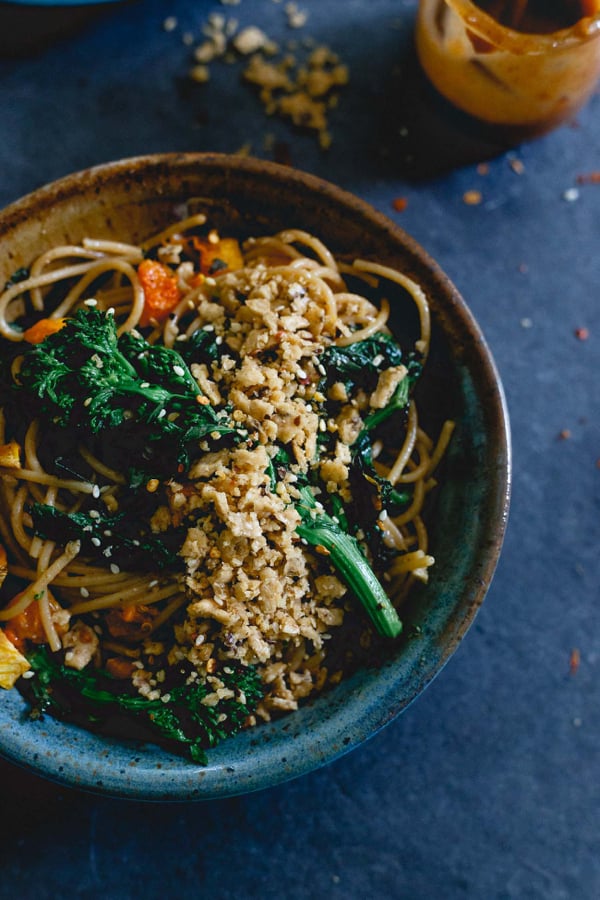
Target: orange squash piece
[(218, 257), (43, 329), (161, 291)]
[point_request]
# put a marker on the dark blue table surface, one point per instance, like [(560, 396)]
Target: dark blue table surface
[(489, 785)]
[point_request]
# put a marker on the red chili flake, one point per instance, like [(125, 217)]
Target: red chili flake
[(582, 334), (483, 168), (517, 166), (400, 203), (574, 661), (523, 268), (588, 178), (564, 435), (472, 198)]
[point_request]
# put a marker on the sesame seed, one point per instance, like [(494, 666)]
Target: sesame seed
[(29, 674), (95, 491), (96, 541), (162, 413), (179, 370), (91, 301), (94, 514), (570, 195), (110, 311), (114, 568), (84, 592), (87, 401)]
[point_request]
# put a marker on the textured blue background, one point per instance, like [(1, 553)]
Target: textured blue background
[(489, 785)]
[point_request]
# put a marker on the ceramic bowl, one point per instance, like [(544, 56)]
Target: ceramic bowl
[(132, 198)]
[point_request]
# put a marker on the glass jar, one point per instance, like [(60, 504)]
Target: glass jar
[(523, 66)]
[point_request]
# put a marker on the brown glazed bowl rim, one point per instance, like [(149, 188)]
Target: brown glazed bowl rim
[(471, 507)]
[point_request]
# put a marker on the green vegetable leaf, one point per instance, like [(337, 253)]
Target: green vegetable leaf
[(360, 363), (179, 718), (87, 379), (120, 536)]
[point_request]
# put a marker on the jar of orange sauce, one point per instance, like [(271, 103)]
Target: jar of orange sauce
[(525, 65)]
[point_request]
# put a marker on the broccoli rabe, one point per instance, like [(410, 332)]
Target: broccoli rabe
[(322, 531), (120, 535), (88, 379), (179, 718)]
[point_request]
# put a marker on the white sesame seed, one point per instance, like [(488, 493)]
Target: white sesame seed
[(208, 328), (84, 592), (87, 401), (179, 370), (114, 568), (91, 301), (95, 491), (94, 514), (96, 541), (162, 413), (28, 674), (110, 311)]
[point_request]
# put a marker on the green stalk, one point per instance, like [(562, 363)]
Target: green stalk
[(345, 555)]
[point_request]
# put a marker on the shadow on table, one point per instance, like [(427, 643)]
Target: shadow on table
[(421, 135), (26, 29), (27, 799)]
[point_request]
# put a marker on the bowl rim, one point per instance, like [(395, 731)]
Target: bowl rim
[(175, 779)]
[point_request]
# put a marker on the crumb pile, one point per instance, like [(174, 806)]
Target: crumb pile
[(257, 594), (302, 91)]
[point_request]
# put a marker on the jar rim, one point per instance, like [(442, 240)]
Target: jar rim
[(502, 37)]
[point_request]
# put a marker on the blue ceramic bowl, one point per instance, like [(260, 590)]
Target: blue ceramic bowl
[(134, 197)]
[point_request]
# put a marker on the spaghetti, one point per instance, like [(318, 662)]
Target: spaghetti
[(297, 366)]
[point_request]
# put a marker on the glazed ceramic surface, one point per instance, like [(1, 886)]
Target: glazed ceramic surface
[(129, 200)]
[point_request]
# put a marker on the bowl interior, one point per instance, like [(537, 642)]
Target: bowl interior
[(131, 199)]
